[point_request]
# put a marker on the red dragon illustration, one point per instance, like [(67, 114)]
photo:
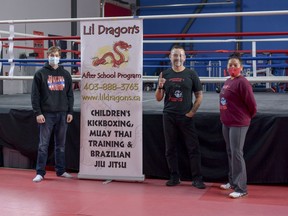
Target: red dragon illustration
[(116, 63)]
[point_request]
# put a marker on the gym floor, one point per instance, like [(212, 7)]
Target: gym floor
[(57, 196)]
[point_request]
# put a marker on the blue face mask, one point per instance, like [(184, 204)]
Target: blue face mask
[(54, 60)]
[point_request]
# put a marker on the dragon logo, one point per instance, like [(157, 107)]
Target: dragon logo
[(96, 61)]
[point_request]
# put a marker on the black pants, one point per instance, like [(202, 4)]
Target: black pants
[(176, 126)]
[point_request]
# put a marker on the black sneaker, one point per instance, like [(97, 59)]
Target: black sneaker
[(173, 182), (198, 184)]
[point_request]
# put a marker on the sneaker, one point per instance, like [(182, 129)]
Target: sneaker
[(173, 182), (38, 178), (236, 195), (198, 184), (226, 186), (66, 175)]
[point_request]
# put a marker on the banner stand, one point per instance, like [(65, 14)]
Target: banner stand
[(111, 100)]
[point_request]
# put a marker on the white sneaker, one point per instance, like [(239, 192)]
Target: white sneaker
[(236, 195), (38, 178), (66, 175), (226, 186)]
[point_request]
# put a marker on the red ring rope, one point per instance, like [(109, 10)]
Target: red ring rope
[(43, 38), (38, 49), (229, 34), (238, 34), (218, 51), (164, 36)]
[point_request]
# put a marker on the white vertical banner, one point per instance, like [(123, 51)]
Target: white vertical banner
[(111, 100)]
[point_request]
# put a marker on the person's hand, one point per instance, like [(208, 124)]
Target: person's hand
[(190, 114), (40, 119), (161, 81), (69, 118)]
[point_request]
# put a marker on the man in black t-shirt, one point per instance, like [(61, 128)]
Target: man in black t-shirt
[(178, 84)]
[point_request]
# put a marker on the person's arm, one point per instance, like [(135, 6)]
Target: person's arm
[(35, 100), (159, 93), (70, 95), (35, 95), (196, 105), (248, 98)]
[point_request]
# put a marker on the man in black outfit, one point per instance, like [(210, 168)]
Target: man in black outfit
[(178, 84)]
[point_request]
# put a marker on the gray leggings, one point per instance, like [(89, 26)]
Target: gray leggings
[(235, 138)]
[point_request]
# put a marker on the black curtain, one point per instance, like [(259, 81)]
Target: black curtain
[(265, 150)]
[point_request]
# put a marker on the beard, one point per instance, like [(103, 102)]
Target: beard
[(178, 63)]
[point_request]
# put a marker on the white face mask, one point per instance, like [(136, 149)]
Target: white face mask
[(54, 60)]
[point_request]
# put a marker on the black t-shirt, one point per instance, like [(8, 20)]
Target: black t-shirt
[(179, 88)]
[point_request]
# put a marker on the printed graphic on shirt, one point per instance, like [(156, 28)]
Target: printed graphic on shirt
[(223, 101), (56, 83), (176, 93)]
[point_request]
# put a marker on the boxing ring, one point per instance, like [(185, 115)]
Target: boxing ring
[(265, 149)]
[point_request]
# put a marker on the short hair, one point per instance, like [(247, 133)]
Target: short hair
[(54, 49), (176, 46), (235, 56)]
